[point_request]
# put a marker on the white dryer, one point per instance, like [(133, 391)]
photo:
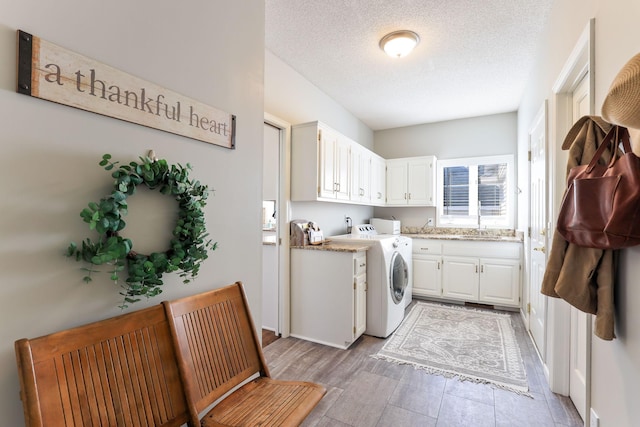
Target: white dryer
[(389, 278)]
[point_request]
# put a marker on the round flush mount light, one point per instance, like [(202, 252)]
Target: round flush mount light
[(399, 43)]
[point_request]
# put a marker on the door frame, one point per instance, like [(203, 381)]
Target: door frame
[(579, 64), (283, 218)]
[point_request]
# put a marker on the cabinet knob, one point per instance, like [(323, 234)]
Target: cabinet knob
[(541, 249)]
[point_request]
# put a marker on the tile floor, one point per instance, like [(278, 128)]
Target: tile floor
[(362, 391)]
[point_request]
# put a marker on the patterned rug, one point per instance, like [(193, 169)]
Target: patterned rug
[(473, 345)]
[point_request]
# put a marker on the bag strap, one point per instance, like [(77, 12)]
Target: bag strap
[(611, 139)]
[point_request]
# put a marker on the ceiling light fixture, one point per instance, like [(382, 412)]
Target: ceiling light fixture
[(399, 43)]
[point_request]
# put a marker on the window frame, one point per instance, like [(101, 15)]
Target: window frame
[(506, 221)]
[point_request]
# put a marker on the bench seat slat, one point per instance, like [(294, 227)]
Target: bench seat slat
[(120, 371), (221, 318)]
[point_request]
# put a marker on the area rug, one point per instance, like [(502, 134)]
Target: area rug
[(471, 344)]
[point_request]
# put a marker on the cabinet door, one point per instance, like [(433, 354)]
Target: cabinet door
[(500, 281), (460, 278), (420, 186), (341, 168), (360, 174), (396, 182), (360, 305), (365, 176), (427, 277), (326, 167), (378, 180)]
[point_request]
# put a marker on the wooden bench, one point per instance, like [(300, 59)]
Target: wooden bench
[(219, 351), (161, 366), (121, 371)]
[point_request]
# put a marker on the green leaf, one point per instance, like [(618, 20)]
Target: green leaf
[(72, 249)]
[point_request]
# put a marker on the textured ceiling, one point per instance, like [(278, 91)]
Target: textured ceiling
[(473, 59)]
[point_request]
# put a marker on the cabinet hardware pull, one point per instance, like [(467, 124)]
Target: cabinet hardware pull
[(476, 268), (405, 196), (409, 196), (482, 268), (438, 263), (541, 249)]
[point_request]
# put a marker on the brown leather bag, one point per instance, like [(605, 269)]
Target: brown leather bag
[(601, 207)]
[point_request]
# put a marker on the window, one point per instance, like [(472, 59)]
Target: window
[(476, 192)]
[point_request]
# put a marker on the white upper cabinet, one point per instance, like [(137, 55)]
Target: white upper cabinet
[(411, 181), (378, 180), (360, 174), (319, 163), (333, 165), (328, 166)]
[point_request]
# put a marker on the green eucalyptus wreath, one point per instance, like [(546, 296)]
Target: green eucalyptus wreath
[(188, 247)]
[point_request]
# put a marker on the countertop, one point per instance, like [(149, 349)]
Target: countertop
[(476, 238), (334, 246), (470, 234)]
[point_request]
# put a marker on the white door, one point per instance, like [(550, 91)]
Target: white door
[(341, 168), (396, 182), (427, 280), (460, 277), (418, 182), (539, 232), (580, 322), (327, 178), (499, 281), (270, 253)]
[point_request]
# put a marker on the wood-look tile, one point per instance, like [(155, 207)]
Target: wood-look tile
[(399, 417), (456, 411), (362, 391), (315, 417), (517, 410), (562, 410), (364, 401), (482, 393), (419, 392), (330, 422)]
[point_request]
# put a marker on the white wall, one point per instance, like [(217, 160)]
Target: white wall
[(472, 137), (51, 152), (292, 98), (477, 136), (615, 364)]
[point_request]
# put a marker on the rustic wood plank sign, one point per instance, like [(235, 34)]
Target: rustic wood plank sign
[(50, 72)]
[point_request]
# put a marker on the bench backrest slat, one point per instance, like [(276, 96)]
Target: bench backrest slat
[(118, 372), (217, 341)]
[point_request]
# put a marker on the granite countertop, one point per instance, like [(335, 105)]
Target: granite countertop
[(471, 234), (328, 245)]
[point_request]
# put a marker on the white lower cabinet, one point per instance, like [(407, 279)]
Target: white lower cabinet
[(499, 281), (475, 271), (427, 268), (328, 296), (460, 278)]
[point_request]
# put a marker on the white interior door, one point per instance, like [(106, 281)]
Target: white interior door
[(579, 364), (270, 250), (539, 233)]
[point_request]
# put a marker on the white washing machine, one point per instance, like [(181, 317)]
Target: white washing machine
[(389, 277)]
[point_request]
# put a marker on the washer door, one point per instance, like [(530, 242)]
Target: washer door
[(398, 277)]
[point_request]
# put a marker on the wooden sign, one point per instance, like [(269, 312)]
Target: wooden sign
[(50, 72)]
